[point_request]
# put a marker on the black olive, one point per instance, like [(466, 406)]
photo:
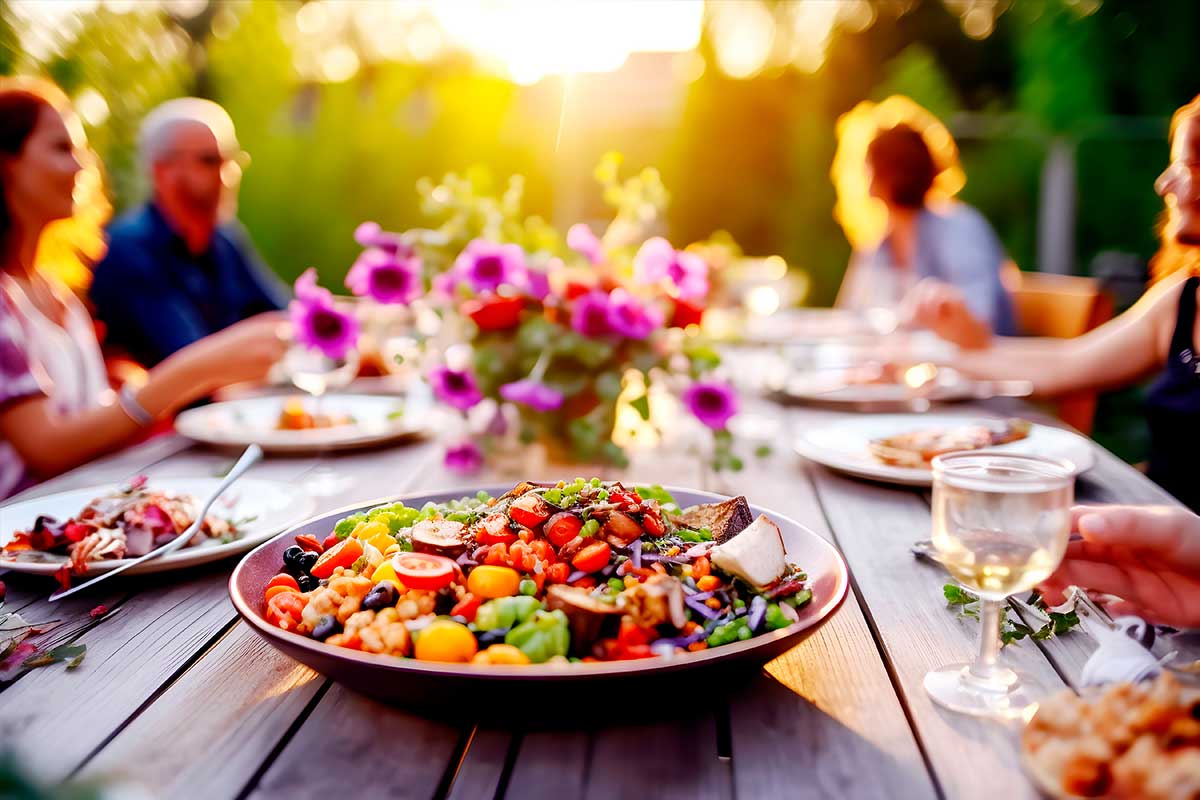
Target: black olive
[(291, 554), (383, 595), (488, 638), (326, 626), (306, 561), (443, 603), (307, 583)]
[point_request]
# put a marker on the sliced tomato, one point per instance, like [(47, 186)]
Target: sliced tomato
[(275, 590), (423, 570), (522, 557), (592, 558), (497, 555), (631, 634), (626, 498), (467, 607), (622, 528), (529, 510), (653, 523), (562, 528), (494, 529), (345, 553), (558, 573), (283, 579), (542, 549)]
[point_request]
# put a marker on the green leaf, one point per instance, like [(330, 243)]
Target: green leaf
[(763, 451), (608, 386), (642, 406), (957, 596)]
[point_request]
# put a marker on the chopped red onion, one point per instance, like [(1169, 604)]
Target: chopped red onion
[(635, 553), (576, 575), (758, 612), (701, 609), (697, 550)]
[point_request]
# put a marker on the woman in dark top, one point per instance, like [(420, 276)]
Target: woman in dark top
[(1160, 330)]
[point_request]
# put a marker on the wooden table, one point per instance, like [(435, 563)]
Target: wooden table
[(179, 696)]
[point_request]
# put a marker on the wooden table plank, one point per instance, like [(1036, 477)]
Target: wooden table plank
[(810, 726), (246, 712), (875, 526)]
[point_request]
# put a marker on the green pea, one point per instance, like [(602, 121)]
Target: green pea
[(527, 587)]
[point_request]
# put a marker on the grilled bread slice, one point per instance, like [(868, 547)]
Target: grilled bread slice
[(725, 520)]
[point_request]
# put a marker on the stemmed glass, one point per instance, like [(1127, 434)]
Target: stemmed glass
[(1000, 526), (315, 373)]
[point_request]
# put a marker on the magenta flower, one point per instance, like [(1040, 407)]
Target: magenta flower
[(385, 277), (536, 284), (445, 283), (630, 317), (316, 321), (463, 457), (712, 402), (581, 239), (455, 387), (369, 234), (590, 316), (487, 265), (534, 394), (657, 260)]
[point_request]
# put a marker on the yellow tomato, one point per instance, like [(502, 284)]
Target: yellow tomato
[(386, 572), (492, 582), (501, 654), (444, 640)]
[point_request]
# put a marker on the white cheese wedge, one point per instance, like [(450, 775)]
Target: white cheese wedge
[(755, 555)]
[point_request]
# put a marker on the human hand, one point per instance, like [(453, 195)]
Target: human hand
[(244, 351), (1149, 556), (942, 308)]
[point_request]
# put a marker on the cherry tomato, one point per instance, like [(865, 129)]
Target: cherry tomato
[(272, 591), (631, 634), (284, 610), (558, 573), (283, 579), (625, 498), (423, 571), (653, 523), (542, 549), (492, 582), (586, 582), (529, 510), (521, 557), (467, 607), (592, 558), (562, 528), (345, 553), (497, 555), (494, 530), (309, 543), (330, 540)]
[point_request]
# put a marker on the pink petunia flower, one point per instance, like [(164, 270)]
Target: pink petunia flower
[(656, 260), (317, 323), (712, 402)]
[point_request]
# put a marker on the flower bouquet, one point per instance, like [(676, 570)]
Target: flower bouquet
[(563, 340)]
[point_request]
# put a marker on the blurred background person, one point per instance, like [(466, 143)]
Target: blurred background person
[(56, 408), (935, 261), (181, 267), (1159, 334)]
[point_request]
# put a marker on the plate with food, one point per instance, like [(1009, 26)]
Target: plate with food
[(90, 531), (898, 448), (440, 600), (1127, 740), (891, 384), (282, 424)]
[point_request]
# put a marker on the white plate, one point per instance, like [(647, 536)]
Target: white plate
[(844, 445), (830, 386), (274, 506), (253, 420)]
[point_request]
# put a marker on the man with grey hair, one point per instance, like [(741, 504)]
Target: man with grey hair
[(179, 268)]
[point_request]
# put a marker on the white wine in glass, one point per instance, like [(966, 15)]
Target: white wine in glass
[(1000, 526)]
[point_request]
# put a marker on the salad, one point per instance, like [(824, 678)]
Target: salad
[(548, 573), (127, 523), (295, 417)]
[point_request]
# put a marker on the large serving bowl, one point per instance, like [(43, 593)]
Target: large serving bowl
[(466, 689)]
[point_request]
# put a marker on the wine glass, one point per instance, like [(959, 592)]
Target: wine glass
[(315, 373), (1000, 526)]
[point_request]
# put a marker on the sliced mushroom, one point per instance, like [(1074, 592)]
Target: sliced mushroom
[(658, 600), (439, 536), (585, 612)]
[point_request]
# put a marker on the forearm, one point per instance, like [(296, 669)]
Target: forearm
[(49, 442)]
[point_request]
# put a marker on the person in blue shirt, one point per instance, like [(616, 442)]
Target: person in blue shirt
[(937, 266), (180, 267)]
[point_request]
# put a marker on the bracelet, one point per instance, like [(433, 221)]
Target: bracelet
[(132, 408)]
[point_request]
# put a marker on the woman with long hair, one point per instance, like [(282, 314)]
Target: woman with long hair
[(56, 408), (1159, 334), (917, 251)]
